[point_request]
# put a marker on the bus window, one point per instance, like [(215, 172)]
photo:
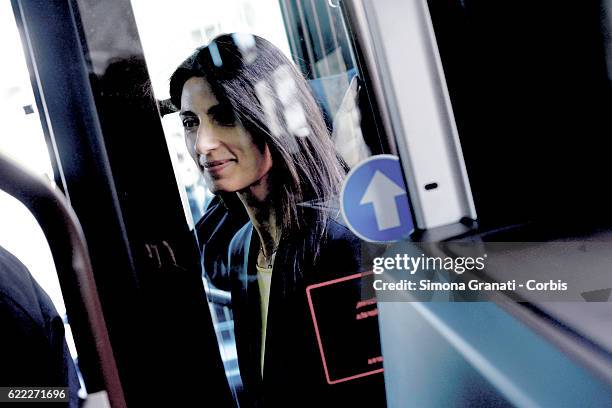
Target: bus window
[(321, 67), (163, 52)]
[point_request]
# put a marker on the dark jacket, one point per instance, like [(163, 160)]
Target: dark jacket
[(33, 350), (214, 231), (293, 368)]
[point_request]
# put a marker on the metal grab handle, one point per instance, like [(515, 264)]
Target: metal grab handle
[(71, 257)]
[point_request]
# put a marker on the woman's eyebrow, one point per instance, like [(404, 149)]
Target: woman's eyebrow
[(213, 110), (187, 113)]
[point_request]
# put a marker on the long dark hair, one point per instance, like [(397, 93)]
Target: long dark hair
[(273, 102)]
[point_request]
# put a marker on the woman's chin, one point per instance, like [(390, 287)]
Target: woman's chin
[(220, 186)]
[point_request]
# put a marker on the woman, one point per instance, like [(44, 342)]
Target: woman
[(253, 127)]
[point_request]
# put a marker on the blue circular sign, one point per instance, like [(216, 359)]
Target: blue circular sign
[(374, 200)]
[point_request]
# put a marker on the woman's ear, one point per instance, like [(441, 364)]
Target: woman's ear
[(267, 158)]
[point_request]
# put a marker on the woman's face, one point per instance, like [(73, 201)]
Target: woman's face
[(223, 149)]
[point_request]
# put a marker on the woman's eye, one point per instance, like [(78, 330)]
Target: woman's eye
[(190, 123)]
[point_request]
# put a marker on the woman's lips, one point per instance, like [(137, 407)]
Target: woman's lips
[(216, 166)]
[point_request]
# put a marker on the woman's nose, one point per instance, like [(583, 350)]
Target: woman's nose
[(206, 141)]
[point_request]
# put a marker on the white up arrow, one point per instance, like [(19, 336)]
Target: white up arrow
[(381, 192)]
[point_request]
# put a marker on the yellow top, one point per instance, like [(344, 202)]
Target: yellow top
[(264, 279)]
